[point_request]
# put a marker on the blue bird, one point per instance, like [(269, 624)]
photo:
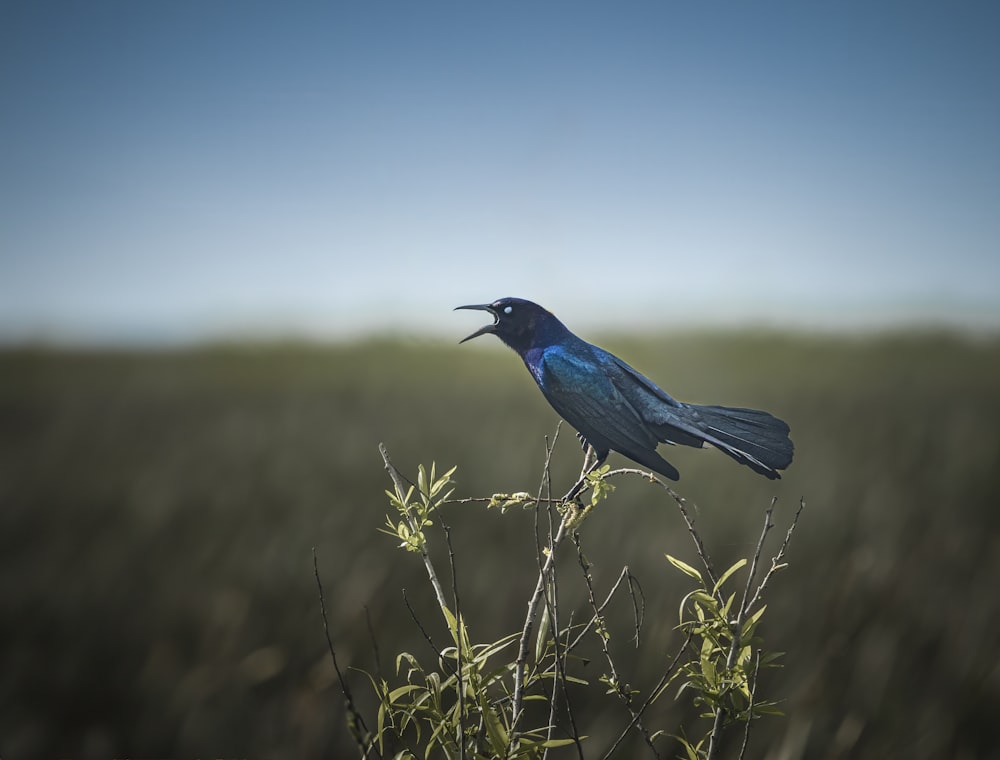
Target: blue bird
[(614, 407)]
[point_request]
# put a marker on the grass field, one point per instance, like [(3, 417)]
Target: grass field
[(158, 512)]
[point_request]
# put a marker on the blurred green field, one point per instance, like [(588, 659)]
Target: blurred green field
[(158, 512)]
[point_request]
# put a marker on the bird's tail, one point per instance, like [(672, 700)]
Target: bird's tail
[(752, 437)]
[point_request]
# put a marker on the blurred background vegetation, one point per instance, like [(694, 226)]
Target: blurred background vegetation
[(158, 510)]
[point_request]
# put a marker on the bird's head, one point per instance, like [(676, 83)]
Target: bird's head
[(518, 323)]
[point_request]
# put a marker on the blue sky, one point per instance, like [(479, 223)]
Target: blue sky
[(172, 171)]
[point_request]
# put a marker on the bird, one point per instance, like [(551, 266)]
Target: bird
[(613, 407)]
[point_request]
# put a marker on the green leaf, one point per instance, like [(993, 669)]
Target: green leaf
[(414, 663), (397, 693), (751, 622), (726, 575), (706, 601), (496, 731), (553, 743), (684, 567), (767, 708), (692, 753), (728, 606), (770, 657), (542, 638), (449, 617), (710, 673), (435, 738), (434, 685), (488, 650), (408, 496), (440, 483), (381, 727), (683, 687), (422, 479)]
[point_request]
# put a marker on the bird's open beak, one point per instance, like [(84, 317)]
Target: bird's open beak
[(485, 329)]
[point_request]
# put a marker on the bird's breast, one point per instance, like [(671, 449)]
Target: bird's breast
[(561, 368), (534, 360)]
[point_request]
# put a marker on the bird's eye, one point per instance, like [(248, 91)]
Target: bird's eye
[(508, 309)]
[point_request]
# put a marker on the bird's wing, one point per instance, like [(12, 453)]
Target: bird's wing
[(754, 438), (645, 387), (582, 393), (666, 418)]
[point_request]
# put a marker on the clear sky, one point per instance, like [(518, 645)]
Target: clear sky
[(174, 170)]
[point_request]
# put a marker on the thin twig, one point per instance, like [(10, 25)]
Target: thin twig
[(776, 560), (748, 601), (397, 479), (366, 742), (622, 690), (638, 608), (565, 689), (551, 599), (737, 632), (559, 682), (490, 499), (623, 575), (571, 645), (638, 605), (753, 695), (744, 606), (427, 637), (551, 605), (681, 503), (375, 649), (529, 619), (667, 674), (545, 565), (545, 486), (695, 536), (459, 638)]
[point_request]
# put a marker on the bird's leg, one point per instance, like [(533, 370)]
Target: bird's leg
[(574, 492)]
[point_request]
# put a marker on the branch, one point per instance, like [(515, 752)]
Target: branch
[(459, 638), (623, 575), (559, 682), (776, 563), (744, 606), (490, 499), (374, 640), (560, 654), (365, 743), (536, 596), (681, 503), (622, 690), (753, 695), (427, 637), (668, 673), (748, 601), (737, 630), (397, 479)]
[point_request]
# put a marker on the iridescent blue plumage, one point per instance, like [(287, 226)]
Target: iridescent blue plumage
[(614, 407)]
